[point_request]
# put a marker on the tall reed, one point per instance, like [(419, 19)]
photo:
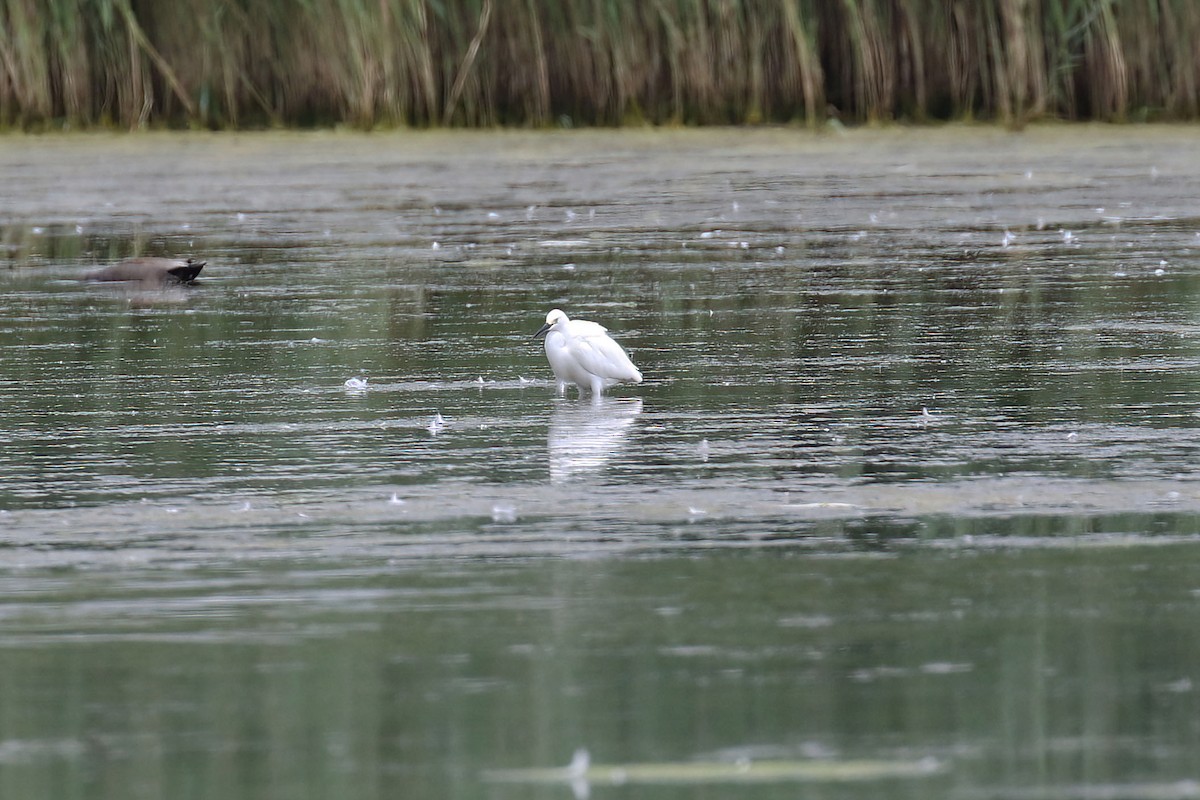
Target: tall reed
[(240, 63)]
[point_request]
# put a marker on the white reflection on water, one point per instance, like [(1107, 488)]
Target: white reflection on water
[(584, 436)]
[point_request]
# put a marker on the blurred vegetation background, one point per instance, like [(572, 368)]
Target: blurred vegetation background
[(367, 63)]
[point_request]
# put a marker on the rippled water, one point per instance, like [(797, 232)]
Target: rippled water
[(912, 474)]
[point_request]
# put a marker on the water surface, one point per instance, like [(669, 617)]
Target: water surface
[(912, 475)]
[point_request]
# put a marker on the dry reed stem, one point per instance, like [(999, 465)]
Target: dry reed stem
[(138, 38), (464, 70)]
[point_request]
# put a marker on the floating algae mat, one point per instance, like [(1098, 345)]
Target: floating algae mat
[(742, 771)]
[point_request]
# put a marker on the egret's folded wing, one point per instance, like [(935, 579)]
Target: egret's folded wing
[(602, 356)]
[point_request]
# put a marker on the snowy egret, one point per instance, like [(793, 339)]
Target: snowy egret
[(583, 353)]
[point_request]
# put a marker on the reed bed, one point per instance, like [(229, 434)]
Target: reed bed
[(249, 63)]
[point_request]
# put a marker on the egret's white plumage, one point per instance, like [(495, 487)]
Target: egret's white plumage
[(582, 353)]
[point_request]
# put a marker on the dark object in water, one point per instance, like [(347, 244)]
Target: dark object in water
[(150, 270)]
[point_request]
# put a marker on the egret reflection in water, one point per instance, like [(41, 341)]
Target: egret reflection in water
[(584, 436)]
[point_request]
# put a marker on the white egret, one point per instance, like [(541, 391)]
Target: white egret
[(583, 353)]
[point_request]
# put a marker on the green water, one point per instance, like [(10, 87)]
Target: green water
[(911, 477)]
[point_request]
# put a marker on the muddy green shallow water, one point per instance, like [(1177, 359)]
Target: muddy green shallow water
[(912, 480)]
